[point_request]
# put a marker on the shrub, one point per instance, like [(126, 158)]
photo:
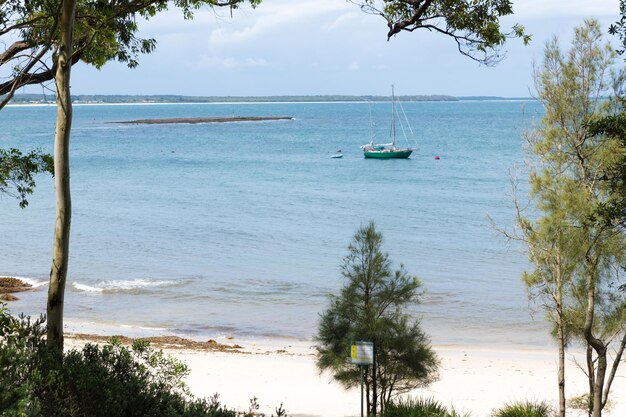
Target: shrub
[(95, 381), (524, 409), (419, 407), (21, 349)]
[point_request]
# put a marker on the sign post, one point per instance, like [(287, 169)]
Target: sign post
[(362, 354)]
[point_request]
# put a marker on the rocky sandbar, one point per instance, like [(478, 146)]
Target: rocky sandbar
[(193, 120)]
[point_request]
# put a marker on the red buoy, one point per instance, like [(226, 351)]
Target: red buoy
[(437, 157)]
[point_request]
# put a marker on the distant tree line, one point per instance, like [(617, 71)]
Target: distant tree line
[(158, 98)]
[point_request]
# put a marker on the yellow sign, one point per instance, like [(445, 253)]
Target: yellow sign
[(362, 353)]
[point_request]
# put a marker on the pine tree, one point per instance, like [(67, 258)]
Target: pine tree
[(371, 307)]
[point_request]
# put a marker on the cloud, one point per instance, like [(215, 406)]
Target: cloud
[(346, 19), (227, 63), (330, 46), (277, 16), (564, 8)]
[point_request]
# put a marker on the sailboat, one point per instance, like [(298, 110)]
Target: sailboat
[(387, 150)]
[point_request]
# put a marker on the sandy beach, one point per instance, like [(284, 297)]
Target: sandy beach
[(472, 379)]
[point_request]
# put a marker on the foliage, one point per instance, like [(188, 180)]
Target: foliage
[(103, 31), (370, 307), (17, 172), (575, 240), (613, 211), (22, 351), (614, 125), (419, 407), (473, 24), (619, 28), (524, 409), (108, 380)]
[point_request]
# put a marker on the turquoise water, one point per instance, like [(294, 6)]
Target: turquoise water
[(239, 229)]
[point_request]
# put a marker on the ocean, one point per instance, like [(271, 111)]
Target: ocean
[(239, 229)]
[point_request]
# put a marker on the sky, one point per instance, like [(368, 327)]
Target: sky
[(318, 47)]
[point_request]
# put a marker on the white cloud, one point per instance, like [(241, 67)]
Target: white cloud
[(343, 20), (277, 16), (330, 46), (564, 8), (227, 63)]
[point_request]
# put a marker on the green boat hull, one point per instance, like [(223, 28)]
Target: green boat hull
[(397, 154)]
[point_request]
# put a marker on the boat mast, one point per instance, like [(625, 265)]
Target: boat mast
[(372, 133), (393, 117)]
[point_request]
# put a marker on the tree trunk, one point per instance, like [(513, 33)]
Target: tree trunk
[(374, 387), (598, 345), (616, 361), (591, 373), (598, 404), (561, 373), (368, 402), (60, 255), (560, 328)]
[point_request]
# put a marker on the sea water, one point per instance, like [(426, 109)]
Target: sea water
[(239, 229)]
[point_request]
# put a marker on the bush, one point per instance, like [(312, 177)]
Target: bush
[(524, 409), (419, 407), (96, 381), (21, 343)]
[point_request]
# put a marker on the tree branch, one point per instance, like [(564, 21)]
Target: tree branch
[(616, 361), (13, 50)]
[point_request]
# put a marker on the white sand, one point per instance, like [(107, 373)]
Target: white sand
[(475, 380), (472, 379)]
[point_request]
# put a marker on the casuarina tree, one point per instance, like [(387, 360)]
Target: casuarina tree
[(372, 306), (574, 234)]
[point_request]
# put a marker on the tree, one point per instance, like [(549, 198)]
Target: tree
[(473, 24), (577, 255), (103, 31), (61, 242), (50, 40), (550, 253), (17, 170), (370, 307)]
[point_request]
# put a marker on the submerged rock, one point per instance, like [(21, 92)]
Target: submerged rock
[(164, 342), (10, 285), (8, 297)]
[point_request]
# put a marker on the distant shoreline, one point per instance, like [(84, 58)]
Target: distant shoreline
[(194, 120), (38, 99)]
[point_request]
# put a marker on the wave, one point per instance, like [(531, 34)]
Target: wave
[(122, 285)]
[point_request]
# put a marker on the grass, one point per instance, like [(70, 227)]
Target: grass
[(420, 407), (524, 409)]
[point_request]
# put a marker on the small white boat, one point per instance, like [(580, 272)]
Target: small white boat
[(338, 155)]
